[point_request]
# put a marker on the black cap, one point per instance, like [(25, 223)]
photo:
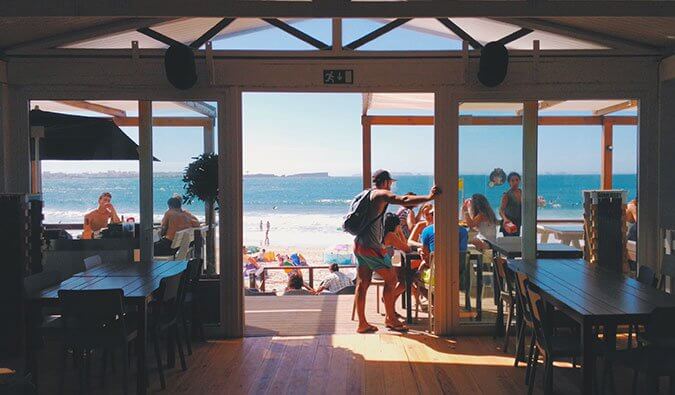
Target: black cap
[(381, 175)]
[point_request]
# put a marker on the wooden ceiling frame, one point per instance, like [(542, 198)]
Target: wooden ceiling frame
[(615, 108), (94, 107), (544, 104), (580, 34), (469, 120), (76, 36)]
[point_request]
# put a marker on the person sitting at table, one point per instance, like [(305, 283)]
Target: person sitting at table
[(632, 219), (408, 217), (428, 247), (296, 286), (100, 217), (479, 216), (510, 207), (335, 281), (427, 219), (175, 219)]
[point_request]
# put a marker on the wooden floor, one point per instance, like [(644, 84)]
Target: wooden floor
[(382, 363), (325, 314)]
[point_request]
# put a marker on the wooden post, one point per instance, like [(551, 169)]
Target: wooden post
[(209, 210), (529, 213), (606, 156), (446, 255), (230, 175), (336, 28), (366, 152), (145, 182)]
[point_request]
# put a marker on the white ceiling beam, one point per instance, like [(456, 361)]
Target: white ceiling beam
[(335, 9), (199, 107), (94, 107), (84, 34), (544, 104), (616, 107), (580, 34)]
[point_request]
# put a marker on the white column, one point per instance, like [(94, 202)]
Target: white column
[(529, 213), (230, 177), (666, 160), (652, 155), (446, 254), (145, 174)]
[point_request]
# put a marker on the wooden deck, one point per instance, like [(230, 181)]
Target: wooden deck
[(337, 364), (325, 314)]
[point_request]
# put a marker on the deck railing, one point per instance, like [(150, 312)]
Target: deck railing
[(308, 268)]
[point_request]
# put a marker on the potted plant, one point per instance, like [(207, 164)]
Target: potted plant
[(201, 182)]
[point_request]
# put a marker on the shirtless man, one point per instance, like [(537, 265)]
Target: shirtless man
[(175, 219), (371, 254), (100, 217)]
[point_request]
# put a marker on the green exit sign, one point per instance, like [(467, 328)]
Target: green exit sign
[(335, 77)]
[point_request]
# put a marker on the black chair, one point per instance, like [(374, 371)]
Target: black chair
[(560, 321), (348, 290), (95, 319), (646, 276), (40, 322), (92, 261), (667, 270), (551, 345), (505, 285), (165, 311), (191, 303), (654, 356)]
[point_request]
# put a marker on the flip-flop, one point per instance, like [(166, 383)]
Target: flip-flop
[(369, 329), (398, 328)]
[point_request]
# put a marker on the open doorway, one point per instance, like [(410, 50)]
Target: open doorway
[(305, 157)]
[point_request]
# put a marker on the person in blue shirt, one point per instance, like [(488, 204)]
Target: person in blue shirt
[(428, 243), (428, 246)]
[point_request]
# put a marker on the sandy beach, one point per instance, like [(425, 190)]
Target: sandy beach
[(276, 279)]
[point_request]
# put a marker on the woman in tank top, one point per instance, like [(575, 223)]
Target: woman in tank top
[(479, 216), (510, 208)]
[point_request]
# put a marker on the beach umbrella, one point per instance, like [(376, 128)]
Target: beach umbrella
[(58, 136), (74, 137)]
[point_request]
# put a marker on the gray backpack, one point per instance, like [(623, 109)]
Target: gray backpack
[(356, 219)]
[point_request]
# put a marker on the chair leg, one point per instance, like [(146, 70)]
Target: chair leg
[(158, 357), (125, 369), (179, 345), (520, 343), (377, 287), (507, 331), (64, 360), (530, 361), (188, 340), (533, 372), (104, 365), (548, 376)]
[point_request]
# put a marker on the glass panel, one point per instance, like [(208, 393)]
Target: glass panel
[(490, 149)]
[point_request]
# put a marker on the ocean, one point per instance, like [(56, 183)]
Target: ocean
[(301, 210)]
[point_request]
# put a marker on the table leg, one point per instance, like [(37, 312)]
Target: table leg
[(588, 367), (499, 323), (141, 342), (408, 289), (479, 289), (467, 282)]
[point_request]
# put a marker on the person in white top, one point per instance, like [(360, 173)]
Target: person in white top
[(335, 281), (479, 216)]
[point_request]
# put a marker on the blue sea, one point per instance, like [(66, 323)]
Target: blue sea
[(301, 210)]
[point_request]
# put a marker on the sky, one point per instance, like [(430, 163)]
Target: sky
[(287, 133)]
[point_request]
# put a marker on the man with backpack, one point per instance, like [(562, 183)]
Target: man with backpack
[(365, 221)]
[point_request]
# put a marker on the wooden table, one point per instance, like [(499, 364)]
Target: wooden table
[(567, 234), (592, 296), (408, 276), (137, 280), (511, 247)]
